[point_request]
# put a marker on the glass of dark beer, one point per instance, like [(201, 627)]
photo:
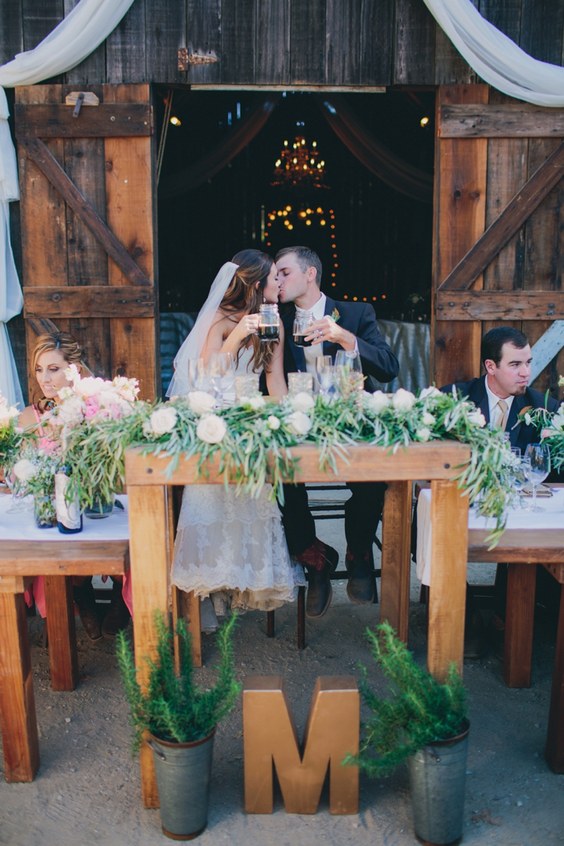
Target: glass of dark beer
[(269, 322), (302, 326)]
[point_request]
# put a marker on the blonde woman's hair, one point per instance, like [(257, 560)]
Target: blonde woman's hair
[(61, 342)]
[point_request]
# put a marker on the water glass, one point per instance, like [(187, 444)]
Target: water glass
[(221, 371), (326, 374), (198, 379), (247, 386), (349, 370), (300, 382), (537, 468)]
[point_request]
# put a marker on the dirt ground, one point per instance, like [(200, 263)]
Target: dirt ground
[(87, 791)]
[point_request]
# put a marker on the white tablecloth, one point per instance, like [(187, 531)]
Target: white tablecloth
[(20, 525), (552, 517)]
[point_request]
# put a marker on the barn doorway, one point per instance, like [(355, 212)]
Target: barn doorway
[(364, 203)]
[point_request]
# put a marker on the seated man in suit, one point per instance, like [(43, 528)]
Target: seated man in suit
[(502, 394), (336, 326)]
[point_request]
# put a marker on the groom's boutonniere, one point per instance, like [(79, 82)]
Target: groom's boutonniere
[(524, 415), (335, 315)]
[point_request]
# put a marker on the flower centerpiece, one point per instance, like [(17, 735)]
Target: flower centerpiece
[(551, 429), (34, 474), (10, 435), (96, 463), (252, 440)]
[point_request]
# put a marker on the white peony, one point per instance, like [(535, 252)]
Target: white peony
[(377, 402), (162, 420), (298, 423), (403, 400), (423, 434), (302, 401), (477, 418), (211, 429), (200, 402), (24, 469), (273, 422)]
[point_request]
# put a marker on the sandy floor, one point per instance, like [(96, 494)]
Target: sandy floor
[(87, 791)]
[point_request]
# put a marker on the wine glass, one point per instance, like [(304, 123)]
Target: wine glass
[(349, 370), (537, 468), (221, 372), (198, 379)]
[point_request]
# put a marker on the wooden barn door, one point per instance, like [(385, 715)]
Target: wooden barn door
[(498, 225), (87, 220)]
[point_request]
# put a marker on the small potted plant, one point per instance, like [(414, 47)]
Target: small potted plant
[(423, 722), (180, 718)]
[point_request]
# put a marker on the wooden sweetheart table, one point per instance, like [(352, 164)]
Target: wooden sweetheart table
[(26, 551), (149, 479)]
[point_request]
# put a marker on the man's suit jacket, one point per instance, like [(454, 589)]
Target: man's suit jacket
[(520, 435), (378, 361)]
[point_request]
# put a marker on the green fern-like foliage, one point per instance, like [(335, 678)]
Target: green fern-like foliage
[(174, 707), (420, 710)]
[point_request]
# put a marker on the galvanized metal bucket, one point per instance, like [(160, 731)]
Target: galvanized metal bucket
[(437, 776), (183, 773)]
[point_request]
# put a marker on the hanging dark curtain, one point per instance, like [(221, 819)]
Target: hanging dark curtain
[(375, 157), (186, 180)]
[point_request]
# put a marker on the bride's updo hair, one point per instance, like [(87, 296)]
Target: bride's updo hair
[(244, 296)]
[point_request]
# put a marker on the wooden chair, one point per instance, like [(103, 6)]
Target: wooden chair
[(322, 508)]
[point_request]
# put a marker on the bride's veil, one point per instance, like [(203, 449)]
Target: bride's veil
[(194, 342)]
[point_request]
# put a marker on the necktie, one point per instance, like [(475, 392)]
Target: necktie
[(501, 414)]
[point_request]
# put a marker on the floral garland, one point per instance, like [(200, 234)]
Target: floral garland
[(253, 439)]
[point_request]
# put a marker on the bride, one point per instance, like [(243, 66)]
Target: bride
[(229, 545)]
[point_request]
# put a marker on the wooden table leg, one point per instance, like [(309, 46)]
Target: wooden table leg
[(17, 702), (519, 624), (149, 547), (554, 752), (447, 594), (61, 632), (396, 554)]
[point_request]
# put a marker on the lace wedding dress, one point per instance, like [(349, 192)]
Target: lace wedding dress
[(230, 544)]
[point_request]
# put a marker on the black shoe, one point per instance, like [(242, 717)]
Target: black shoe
[(361, 586), (118, 616), (321, 561), (475, 642), (85, 600)]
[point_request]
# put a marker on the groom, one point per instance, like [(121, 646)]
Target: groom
[(336, 326)]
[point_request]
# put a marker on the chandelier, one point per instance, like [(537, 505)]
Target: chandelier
[(299, 165)]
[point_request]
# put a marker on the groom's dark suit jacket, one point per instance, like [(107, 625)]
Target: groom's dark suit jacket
[(378, 361), (520, 435)]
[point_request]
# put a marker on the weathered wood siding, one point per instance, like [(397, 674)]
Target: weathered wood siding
[(283, 42)]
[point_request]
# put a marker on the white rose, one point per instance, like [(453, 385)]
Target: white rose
[(299, 423), (200, 402), (70, 412), (403, 400), (256, 402), (24, 469), (377, 402), (163, 420), (427, 418), (429, 392), (273, 422), (423, 434), (302, 401), (211, 429), (6, 413), (90, 386), (477, 418)]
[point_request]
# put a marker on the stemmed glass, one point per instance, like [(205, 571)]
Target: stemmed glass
[(537, 468), (198, 379), (221, 371), (349, 369)]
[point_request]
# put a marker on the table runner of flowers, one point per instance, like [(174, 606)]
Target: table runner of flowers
[(96, 420)]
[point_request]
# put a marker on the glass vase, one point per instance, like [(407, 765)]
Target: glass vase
[(44, 511)]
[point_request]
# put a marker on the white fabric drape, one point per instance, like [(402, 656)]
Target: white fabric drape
[(495, 57), (78, 35)]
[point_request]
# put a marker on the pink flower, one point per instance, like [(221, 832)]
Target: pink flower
[(92, 407)]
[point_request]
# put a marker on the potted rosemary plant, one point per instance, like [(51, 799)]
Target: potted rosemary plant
[(180, 718), (423, 722)]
